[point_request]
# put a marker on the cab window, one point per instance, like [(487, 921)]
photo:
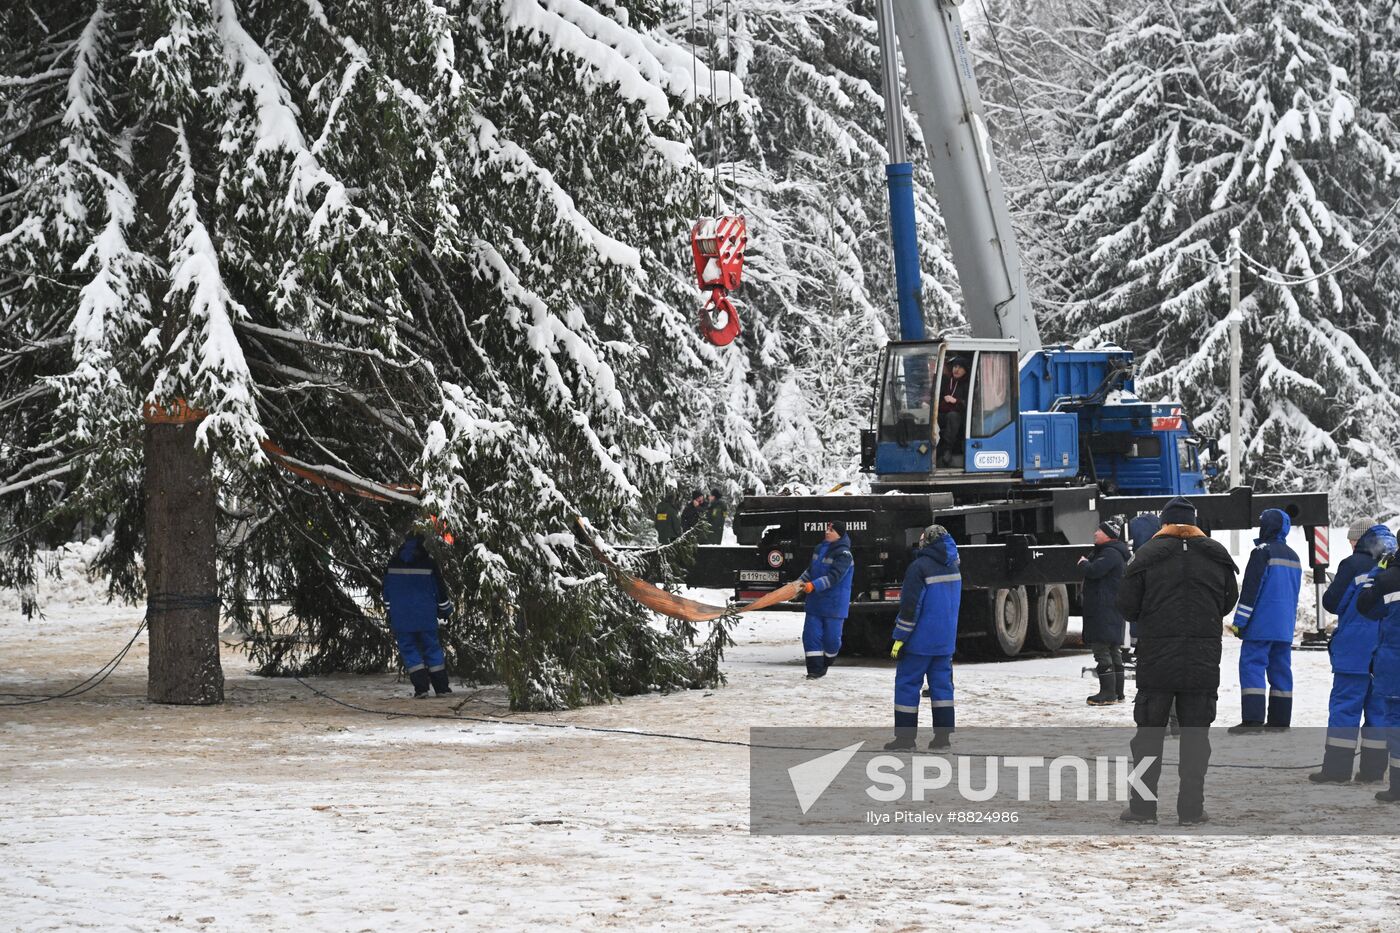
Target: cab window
[(994, 393), (1146, 448), (906, 409), (1186, 456)]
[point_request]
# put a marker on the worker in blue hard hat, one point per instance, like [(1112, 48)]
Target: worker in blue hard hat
[(1352, 650), (827, 583), (1379, 599), (925, 636), (416, 599), (1264, 620)]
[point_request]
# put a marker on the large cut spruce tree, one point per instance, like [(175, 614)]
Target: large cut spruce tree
[(432, 244)]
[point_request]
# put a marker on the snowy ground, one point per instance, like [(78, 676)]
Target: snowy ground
[(281, 811)]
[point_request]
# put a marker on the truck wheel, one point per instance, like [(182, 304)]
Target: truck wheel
[(1049, 617), (994, 624), (1010, 619)]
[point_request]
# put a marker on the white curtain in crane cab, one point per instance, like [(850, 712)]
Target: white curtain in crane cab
[(991, 408)]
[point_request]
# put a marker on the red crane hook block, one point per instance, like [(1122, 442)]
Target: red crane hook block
[(717, 245), (719, 319)]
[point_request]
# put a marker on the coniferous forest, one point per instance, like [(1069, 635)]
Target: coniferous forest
[(439, 251)]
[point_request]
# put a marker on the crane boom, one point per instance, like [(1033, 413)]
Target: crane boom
[(943, 92)]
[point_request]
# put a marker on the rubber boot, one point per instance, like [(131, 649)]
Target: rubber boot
[(1129, 815), (1336, 765), (904, 739), (441, 683), (942, 738), (419, 679), (1280, 713), (1248, 727), (1108, 694), (1119, 682), (1392, 793), (1373, 762)]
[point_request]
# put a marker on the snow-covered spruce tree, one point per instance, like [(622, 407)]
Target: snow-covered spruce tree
[(808, 172), (1211, 117), (430, 246), (1036, 60)]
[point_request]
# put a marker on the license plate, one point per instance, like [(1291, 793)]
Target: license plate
[(758, 576)]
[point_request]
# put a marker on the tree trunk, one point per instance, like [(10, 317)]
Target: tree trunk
[(182, 580)]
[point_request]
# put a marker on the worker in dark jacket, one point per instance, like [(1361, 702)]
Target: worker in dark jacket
[(1379, 599), (1265, 619), (827, 584), (667, 519), (1103, 623), (714, 514), (416, 598), (693, 511), (952, 411), (1142, 528), (1178, 588), (1352, 650), (925, 636)]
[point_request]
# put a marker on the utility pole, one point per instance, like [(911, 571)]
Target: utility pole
[(1234, 319)]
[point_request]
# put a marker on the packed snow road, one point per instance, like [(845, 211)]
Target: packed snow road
[(281, 811)]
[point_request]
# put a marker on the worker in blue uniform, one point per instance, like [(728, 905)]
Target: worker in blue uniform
[(1379, 599), (925, 636), (827, 584), (1265, 619), (417, 598), (1352, 649)]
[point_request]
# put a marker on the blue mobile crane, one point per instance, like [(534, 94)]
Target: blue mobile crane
[(1040, 446)]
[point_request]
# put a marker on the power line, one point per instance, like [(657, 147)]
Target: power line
[(674, 736), (1025, 123), (1357, 254)]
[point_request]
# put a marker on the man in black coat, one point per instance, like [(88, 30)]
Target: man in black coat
[(667, 518), (692, 513), (1103, 623), (714, 514), (1178, 589)]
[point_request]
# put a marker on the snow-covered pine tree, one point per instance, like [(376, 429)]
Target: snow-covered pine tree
[(1215, 116), (809, 174), (1372, 480), (1036, 60), (431, 248)]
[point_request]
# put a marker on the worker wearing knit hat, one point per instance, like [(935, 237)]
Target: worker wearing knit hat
[(1179, 511), (1358, 529)]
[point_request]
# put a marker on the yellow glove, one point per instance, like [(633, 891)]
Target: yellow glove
[(1384, 562), (1235, 630), (894, 652)]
